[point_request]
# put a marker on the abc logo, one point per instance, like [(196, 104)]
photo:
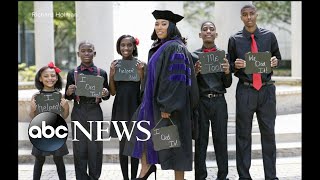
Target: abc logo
[(48, 131)]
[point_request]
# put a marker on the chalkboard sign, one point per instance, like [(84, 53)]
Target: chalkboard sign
[(165, 137), (211, 61), (258, 62), (89, 85), (48, 102), (126, 70)]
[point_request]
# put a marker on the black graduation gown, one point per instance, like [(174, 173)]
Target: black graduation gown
[(173, 95), (175, 92)]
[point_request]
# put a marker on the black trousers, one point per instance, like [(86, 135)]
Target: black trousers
[(39, 161), (124, 162), (87, 153), (214, 109), (263, 103)]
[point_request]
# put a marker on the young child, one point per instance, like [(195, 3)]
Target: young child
[(86, 153), (127, 98), (48, 80)]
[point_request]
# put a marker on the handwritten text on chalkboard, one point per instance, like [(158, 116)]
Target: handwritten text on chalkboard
[(165, 137), (48, 102), (211, 62), (258, 62), (126, 70), (89, 85)]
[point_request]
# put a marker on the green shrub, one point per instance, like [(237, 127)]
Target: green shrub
[(26, 74)]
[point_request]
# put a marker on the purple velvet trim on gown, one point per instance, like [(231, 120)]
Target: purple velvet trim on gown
[(146, 111), (176, 56), (177, 67)]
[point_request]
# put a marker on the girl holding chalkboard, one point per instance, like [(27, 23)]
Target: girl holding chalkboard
[(127, 96), (48, 81)]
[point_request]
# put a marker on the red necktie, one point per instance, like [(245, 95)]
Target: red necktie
[(256, 77), (209, 50)]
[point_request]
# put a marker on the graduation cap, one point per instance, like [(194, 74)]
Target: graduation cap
[(167, 15)]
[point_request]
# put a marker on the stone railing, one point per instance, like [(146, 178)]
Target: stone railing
[(25, 85)]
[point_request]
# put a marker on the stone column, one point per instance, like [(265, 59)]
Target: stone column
[(174, 6), (296, 47), (131, 13), (43, 33), (228, 22), (19, 45), (94, 22)]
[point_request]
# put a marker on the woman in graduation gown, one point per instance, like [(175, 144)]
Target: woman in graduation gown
[(170, 92)]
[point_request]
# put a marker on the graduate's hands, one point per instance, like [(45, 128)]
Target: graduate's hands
[(165, 115)]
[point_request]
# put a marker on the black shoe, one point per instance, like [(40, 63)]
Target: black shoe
[(153, 168)]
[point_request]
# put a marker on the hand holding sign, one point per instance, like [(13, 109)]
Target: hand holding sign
[(140, 67), (105, 92), (71, 89), (258, 62), (226, 66), (113, 68), (274, 61), (197, 67), (239, 63)]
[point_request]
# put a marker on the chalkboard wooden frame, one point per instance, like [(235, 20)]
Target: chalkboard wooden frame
[(126, 70), (211, 61), (257, 62), (48, 102), (89, 85), (165, 137)]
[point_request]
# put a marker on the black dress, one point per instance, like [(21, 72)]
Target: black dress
[(126, 102)]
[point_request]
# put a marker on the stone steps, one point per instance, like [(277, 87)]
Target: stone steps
[(110, 155)]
